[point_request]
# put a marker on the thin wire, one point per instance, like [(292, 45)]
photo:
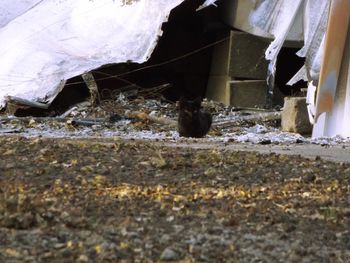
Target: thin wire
[(158, 64), (116, 77)]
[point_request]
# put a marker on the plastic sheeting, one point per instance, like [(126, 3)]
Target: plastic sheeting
[(45, 42), (9, 10), (279, 18), (327, 56)]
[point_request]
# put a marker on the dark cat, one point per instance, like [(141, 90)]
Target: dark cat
[(192, 122)]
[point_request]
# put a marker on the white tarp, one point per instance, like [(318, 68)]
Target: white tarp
[(277, 18), (9, 10), (326, 50), (280, 17), (44, 42)]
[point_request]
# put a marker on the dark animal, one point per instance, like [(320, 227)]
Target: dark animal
[(192, 122)]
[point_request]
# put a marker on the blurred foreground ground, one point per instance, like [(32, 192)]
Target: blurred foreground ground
[(115, 200)]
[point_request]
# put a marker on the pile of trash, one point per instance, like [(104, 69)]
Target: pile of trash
[(155, 119)]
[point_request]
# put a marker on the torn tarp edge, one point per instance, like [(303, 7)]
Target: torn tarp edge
[(206, 4), (35, 61)]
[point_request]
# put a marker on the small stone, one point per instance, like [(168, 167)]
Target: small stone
[(83, 258), (165, 238), (169, 255), (59, 245), (210, 171)]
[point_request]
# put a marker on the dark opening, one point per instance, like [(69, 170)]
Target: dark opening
[(74, 92), (288, 64), (186, 31)]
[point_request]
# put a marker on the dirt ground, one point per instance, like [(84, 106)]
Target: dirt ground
[(114, 200)]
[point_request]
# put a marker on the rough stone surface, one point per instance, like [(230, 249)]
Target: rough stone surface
[(241, 56), (247, 56), (248, 93), (295, 117)]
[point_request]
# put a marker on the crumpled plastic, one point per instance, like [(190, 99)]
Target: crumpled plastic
[(45, 42), (279, 17)]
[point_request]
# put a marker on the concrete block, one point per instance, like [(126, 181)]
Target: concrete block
[(220, 57), (248, 93), (241, 56), (247, 56), (295, 117), (218, 89)]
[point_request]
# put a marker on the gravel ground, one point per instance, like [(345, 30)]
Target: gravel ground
[(119, 200)]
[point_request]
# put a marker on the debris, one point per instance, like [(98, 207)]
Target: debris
[(92, 86), (147, 117), (141, 118), (250, 118), (27, 103), (78, 107)]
